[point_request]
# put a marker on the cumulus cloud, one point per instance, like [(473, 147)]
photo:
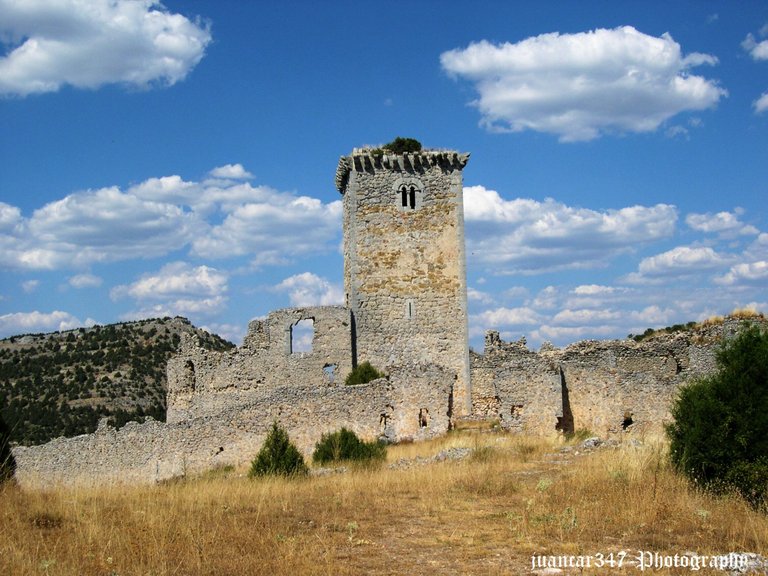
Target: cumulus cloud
[(502, 316), (682, 260), (593, 289), (287, 225), (175, 280), (220, 218), (177, 289), (88, 44), (96, 226), (758, 50), (746, 273), (723, 223), (36, 321), (475, 295), (528, 237), (308, 289), (193, 308), (567, 334), (581, 86), (585, 316), (231, 172)]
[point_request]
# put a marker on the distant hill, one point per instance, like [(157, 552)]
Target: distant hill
[(62, 383)]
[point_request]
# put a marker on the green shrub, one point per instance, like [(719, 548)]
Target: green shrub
[(345, 445), (278, 456), (362, 374), (7, 462), (719, 433), (403, 145)]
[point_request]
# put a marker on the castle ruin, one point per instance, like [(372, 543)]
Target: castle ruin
[(406, 313)]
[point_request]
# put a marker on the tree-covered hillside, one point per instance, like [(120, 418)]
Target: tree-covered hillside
[(60, 384)]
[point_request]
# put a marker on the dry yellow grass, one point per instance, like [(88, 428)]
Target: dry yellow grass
[(487, 514), (747, 314)]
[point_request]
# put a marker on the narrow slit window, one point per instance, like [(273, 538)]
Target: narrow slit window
[(404, 196)]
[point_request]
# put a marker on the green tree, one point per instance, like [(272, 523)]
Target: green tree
[(403, 145), (362, 374), (719, 433), (278, 456), (345, 445), (7, 462)]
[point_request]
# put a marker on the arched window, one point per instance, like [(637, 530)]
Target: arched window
[(408, 196)]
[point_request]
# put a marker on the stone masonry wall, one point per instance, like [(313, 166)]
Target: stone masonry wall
[(606, 387), (404, 272), (413, 403)]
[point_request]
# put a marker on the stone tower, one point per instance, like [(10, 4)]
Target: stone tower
[(404, 261)]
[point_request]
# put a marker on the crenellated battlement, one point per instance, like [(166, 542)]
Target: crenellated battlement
[(370, 160)]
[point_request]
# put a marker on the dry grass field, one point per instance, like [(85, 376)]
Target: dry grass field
[(489, 513)]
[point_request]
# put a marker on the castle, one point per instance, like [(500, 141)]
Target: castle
[(405, 313)]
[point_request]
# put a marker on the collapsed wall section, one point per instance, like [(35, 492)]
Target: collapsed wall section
[(202, 382), (604, 387)]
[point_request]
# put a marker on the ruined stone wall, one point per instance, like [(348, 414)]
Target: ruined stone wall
[(203, 382), (413, 403), (606, 387), (404, 262)]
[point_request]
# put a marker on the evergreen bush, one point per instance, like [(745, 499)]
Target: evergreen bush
[(345, 445), (7, 462), (719, 433), (403, 145), (278, 456), (362, 374)]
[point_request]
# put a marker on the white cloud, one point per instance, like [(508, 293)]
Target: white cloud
[(567, 334), (593, 289), (287, 224), (308, 289), (547, 298), (232, 172), (526, 236), (89, 44), (85, 281), (758, 50), (585, 316), (30, 286), (682, 260), (177, 289), (214, 219), (34, 322), (724, 223), (581, 86), (10, 216), (99, 226), (745, 273), (193, 308), (505, 317), (761, 104), (478, 296), (175, 280)]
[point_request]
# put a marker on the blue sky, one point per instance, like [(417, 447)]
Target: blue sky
[(178, 158)]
